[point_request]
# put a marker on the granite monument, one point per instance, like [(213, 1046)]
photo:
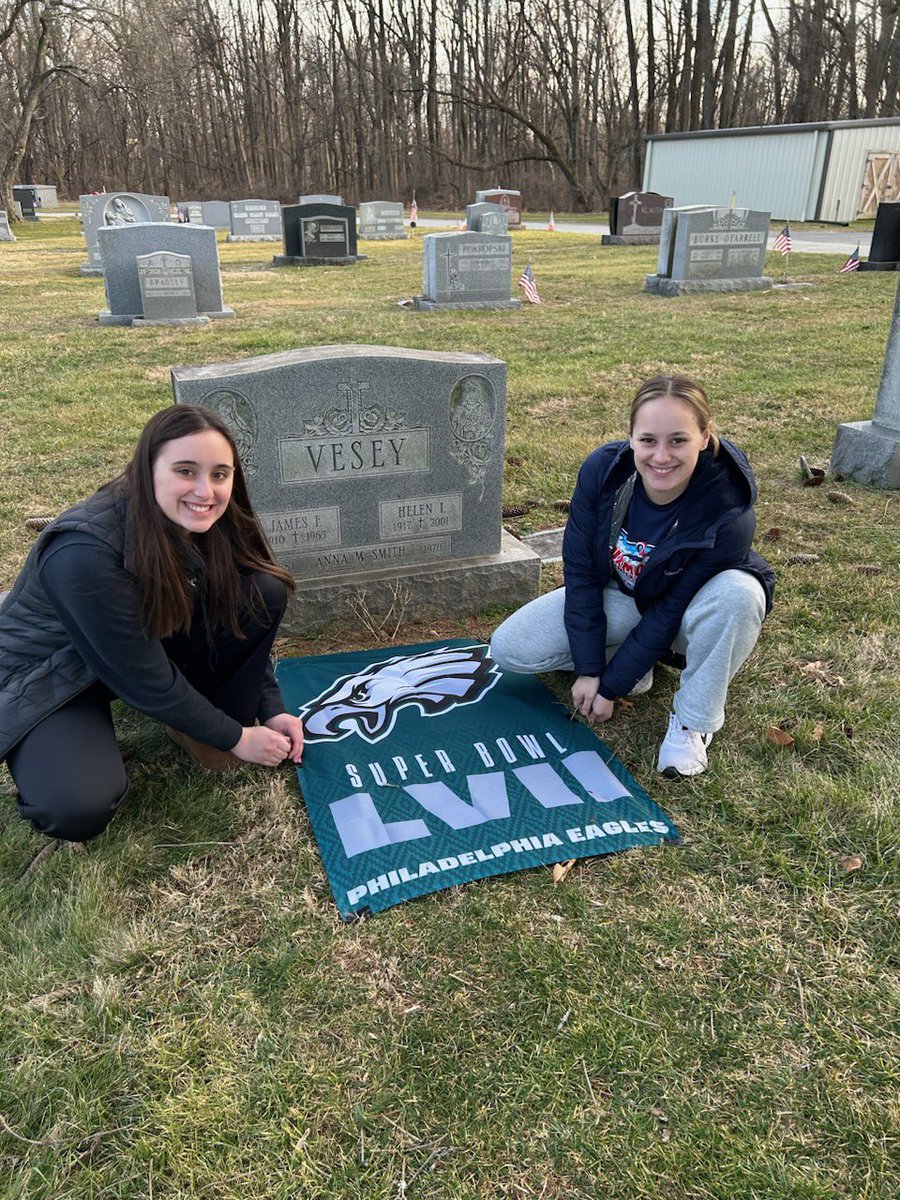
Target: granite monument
[(507, 198), (635, 219), (381, 221), (466, 270), (318, 235), (707, 249), (115, 209), (255, 221)]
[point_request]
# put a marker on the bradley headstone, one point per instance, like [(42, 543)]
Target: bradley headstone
[(6, 234), (122, 245), (26, 195), (487, 218), (884, 252), (706, 249), (377, 475), (635, 219), (869, 451), (167, 290), (381, 221), (466, 270), (318, 234), (507, 198), (113, 209), (255, 221)]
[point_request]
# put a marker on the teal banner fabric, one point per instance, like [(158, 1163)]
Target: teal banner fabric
[(426, 766)]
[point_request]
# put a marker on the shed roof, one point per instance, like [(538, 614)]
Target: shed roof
[(757, 130)]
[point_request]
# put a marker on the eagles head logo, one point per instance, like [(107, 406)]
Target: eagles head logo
[(368, 702)]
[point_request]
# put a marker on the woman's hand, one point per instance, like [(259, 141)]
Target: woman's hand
[(588, 701), (263, 746), (291, 727)]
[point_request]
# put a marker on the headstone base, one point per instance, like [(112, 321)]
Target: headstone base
[(463, 586), (109, 318), (661, 285), (287, 260), (629, 239), (868, 453), (249, 237), (93, 272), (202, 319), (879, 266), (422, 305)]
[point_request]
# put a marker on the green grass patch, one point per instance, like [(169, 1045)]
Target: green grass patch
[(183, 1014)]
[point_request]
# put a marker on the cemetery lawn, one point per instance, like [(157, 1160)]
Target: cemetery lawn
[(183, 1013)]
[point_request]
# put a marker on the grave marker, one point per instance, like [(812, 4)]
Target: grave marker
[(381, 221), (635, 219), (508, 199), (115, 209), (255, 221), (26, 195), (487, 218), (6, 234), (466, 270), (706, 249), (884, 252), (318, 235), (166, 281)]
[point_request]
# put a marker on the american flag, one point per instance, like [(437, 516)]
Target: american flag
[(526, 281), (784, 243), (413, 212), (852, 263)]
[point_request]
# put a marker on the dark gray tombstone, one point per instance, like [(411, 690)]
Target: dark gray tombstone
[(884, 253), (381, 221), (114, 209), (466, 270), (507, 198), (869, 451), (318, 235), (635, 219), (121, 246), (166, 282), (26, 195), (6, 234), (255, 221), (706, 249), (377, 475), (487, 218)]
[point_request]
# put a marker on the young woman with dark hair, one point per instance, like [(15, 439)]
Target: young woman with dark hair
[(657, 560), (161, 590)]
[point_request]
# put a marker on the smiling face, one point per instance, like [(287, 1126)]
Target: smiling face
[(666, 440), (192, 479)]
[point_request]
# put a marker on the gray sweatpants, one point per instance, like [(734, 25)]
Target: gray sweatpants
[(717, 633)]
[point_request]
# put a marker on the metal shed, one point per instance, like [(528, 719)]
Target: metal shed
[(824, 171)]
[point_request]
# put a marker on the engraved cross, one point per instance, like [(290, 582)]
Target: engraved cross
[(353, 394)]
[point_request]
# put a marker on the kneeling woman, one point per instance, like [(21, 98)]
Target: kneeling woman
[(657, 557), (160, 590)]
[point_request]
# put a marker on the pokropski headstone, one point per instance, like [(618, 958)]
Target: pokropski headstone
[(255, 221), (381, 221), (487, 218), (711, 250), (376, 473), (322, 198), (507, 198), (167, 290), (6, 234), (122, 245), (869, 451), (466, 270), (635, 219), (27, 198), (317, 235), (884, 252), (112, 209)]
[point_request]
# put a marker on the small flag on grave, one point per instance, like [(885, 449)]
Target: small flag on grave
[(551, 224), (852, 263), (784, 243), (526, 281)]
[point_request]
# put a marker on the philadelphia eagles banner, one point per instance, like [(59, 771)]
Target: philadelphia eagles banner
[(426, 766)]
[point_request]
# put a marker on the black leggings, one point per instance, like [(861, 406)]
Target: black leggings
[(69, 770)]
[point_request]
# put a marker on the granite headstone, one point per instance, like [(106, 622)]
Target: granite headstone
[(884, 252), (507, 198), (869, 451), (381, 221), (45, 195), (487, 218), (706, 249), (122, 245), (377, 475), (6, 234), (26, 195), (466, 270), (318, 235), (114, 209), (255, 221), (635, 219), (167, 290)]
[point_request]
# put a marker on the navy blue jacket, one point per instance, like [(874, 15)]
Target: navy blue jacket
[(714, 533)]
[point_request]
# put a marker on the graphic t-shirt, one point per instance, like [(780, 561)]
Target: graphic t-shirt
[(644, 527)]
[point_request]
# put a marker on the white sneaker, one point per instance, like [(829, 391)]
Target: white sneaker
[(643, 685), (683, 751)]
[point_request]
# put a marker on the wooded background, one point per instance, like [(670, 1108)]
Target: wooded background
[(386, 98)]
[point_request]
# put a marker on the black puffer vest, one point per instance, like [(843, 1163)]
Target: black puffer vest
[(40, 669)]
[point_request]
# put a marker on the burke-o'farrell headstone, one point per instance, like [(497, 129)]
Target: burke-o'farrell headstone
[(706, 249), (376, 473)]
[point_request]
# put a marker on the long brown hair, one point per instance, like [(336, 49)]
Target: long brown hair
[(158, 557), (679, 387)]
